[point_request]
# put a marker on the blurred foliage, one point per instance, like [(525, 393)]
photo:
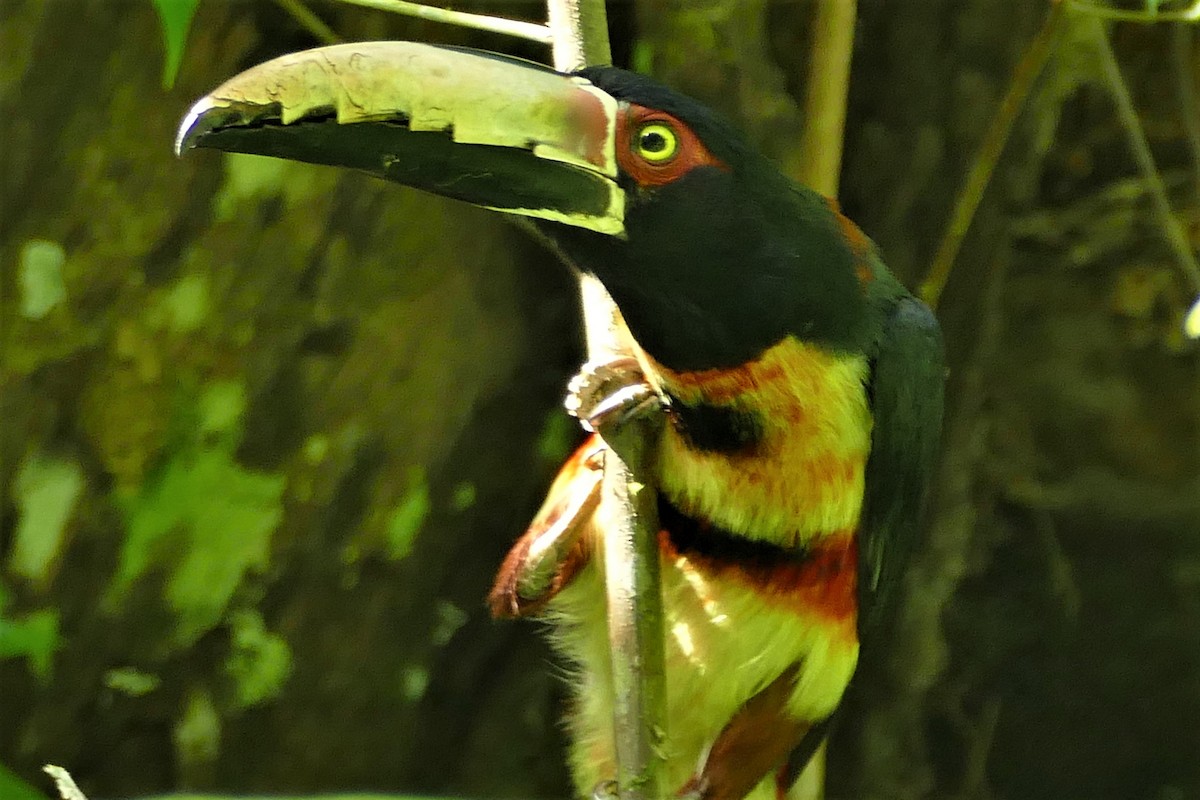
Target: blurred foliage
[(13, 788), (409, 515), (203, 518), (33, 636), (176, 19)]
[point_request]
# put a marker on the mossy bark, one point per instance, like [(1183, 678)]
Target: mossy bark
[(303, 414)]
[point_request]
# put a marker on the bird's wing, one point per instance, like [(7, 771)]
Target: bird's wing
[(553, 550), (906, 399)]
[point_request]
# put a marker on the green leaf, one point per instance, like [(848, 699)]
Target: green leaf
[(175, 17), (209, 521), (409, 515), (34, 637), (260, 662), (13, 788)]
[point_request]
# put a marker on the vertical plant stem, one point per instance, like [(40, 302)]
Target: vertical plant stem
[(967, 203), (64, 783), (309, 21), (1127, 113), (825, 95), (629, 513), (579, 33), (1183, 53), (819, 167)]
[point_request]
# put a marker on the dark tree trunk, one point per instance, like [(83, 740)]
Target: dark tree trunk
[(263, 453), (267, 429)]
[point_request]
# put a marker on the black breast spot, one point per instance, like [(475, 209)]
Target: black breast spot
[(716, 429)]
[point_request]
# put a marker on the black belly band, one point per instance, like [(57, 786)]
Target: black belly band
[(701, 539)]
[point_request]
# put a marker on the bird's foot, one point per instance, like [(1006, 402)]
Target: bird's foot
[(695, 789), (613, 399), (609, 790), (606, 395), (606, 790)]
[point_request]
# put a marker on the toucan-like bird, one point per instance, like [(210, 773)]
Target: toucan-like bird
[(798, 382)]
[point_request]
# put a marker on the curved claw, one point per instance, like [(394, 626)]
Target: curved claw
[(606, 790), (622, 407), (608, 396)]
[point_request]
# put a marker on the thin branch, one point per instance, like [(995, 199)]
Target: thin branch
[(1091, 494), (309, 21), (1093, 9), (1183, 53), (825, 95), (629, 506), (521, 29), (1032, 62), (1127, 114), (629, 514), (579, 34), (819, 167), (64, 783)]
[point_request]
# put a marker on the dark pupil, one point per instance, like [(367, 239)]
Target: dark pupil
[(653, 142)]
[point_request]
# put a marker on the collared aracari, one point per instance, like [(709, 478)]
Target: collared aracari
[(799, 384)]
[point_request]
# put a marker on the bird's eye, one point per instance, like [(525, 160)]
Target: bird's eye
[(656, 142)]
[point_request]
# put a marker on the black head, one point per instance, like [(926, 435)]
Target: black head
[(709, 251), (723, 255)]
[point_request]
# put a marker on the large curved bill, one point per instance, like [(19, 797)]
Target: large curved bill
[(495, 131)]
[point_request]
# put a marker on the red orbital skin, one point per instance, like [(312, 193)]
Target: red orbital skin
[(691, 152)]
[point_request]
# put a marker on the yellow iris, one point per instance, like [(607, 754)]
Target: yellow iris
[(656, 142)]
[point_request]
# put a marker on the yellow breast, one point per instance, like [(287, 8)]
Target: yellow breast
[(805, 477)]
